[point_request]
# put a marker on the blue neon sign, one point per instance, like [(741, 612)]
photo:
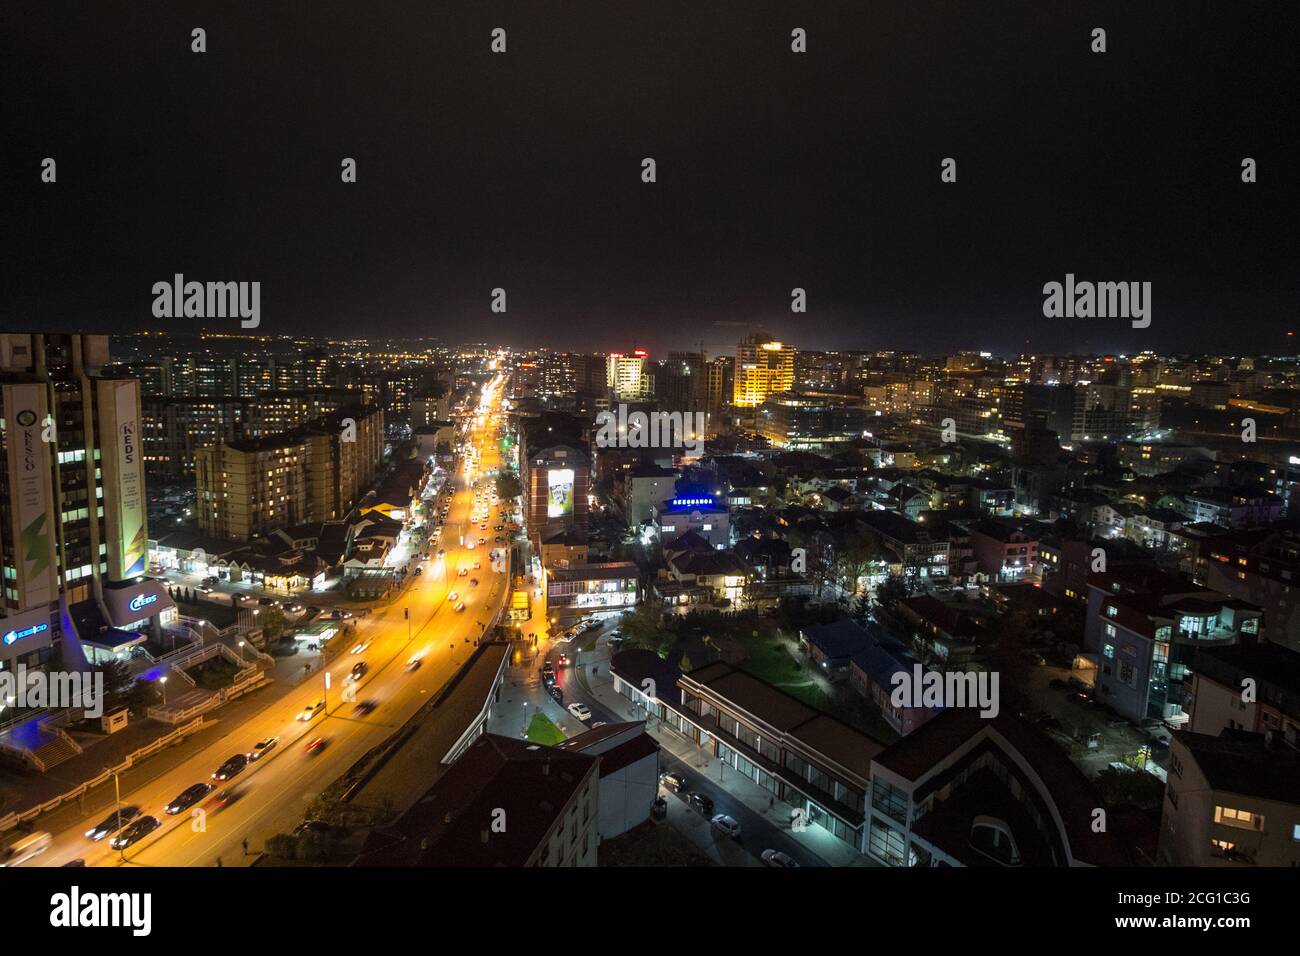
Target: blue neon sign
[(142, 601), (15, 636)]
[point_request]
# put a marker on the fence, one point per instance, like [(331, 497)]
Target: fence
[(12, 819)]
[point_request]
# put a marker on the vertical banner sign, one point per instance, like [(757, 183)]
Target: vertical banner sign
[(122, 459), (559, 501), (29, 494)]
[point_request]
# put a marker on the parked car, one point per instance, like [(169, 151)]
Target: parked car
[(134, 833), (673, 781), (113, 822), (232, 767), (778, 858), (701, 802), (188, 797), (262, 748), (727, 825), (580, 710)]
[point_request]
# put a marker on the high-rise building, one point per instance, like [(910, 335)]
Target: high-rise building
[(316, 472), (73, 507), (628, 378), (764, 367)]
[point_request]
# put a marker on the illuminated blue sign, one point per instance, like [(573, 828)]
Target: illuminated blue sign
[(142, 601), (691, 502), (14, 636)]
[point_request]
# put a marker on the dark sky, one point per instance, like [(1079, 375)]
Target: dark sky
[(775, 170)]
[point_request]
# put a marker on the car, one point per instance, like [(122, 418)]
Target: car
[(205, 589), (728, 825), (478, 565), (134, 833), (24, 848), (459, 607), (598, 723), (453, 597), (473, 582), (312, 826), (417, 572), (581, 711), (675, 782), (364, 707), (232, 767), (482, 541), (548, 678), (307, 713), (358, 670), (188, 797), (262, 748), (360, 648), (316, 746), (566, 637), (778, 858), (463, 572), (442, 552), (413, 665), (293, 607), (312, 610), (113, 822), (702, 802), (336, 614), (267, 602), (562, 660), (497, 539)]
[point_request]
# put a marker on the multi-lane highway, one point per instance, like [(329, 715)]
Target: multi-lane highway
[(271, 795)]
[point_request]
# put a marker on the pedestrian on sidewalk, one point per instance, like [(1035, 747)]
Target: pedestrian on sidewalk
[(245, 846), (218, 861)]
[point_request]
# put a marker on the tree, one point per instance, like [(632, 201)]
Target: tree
[(508, 487), (271, 620), (891, 591)]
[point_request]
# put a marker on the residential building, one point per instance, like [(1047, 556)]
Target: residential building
[(1231, 800)]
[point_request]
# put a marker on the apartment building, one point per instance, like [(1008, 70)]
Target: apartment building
[(1146, 626), (253, 486), (763, 367), (1231, 800)]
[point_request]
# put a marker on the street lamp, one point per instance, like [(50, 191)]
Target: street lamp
[(241, 653), (163, 680)]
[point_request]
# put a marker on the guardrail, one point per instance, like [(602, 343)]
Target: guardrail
[(12, 819)]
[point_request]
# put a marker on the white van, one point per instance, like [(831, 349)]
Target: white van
[(24, 848)]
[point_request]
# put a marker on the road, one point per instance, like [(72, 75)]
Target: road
[(274, 792)]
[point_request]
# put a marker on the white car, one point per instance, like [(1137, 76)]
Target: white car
[(453, 597), (314, 710), (777, 858), (581, 711), (459, 607), (728, 825)]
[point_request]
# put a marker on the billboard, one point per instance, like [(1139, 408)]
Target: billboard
[(29, 493), (123, 465), (559, 498)]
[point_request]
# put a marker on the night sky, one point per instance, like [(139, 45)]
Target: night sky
[(775, 170)]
